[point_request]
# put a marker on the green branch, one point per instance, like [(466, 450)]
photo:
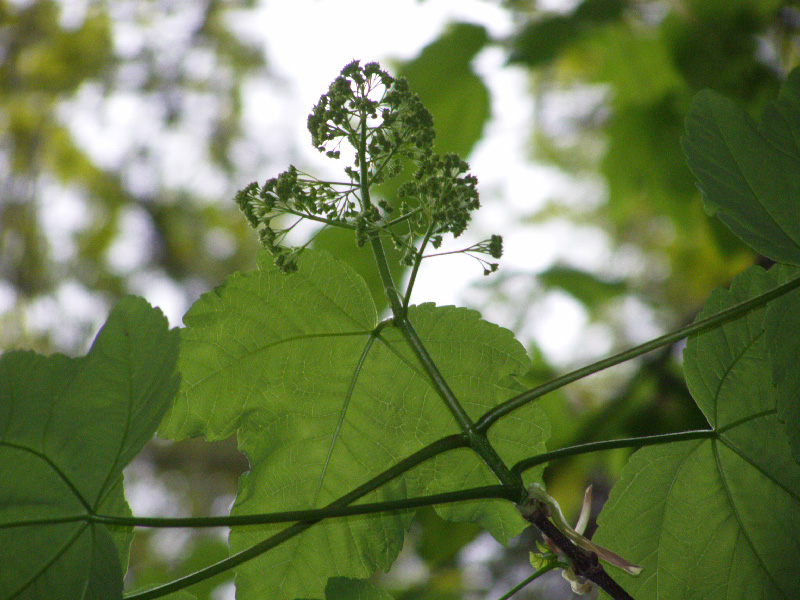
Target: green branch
[(443, 445), (410, 214), (338, 223), (730, 314), (415, 269), (386, 276), (435, 376), (511, 481), (638, 442), (342, 507), (553, 565), (331, 511), (477, 440), (315, 514)]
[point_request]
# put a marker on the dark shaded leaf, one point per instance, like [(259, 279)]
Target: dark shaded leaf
[(750, 174), (543, 39), (716, 518), (67, 429), (443, 78)]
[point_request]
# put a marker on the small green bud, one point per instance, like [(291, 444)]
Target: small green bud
[(496, 246)]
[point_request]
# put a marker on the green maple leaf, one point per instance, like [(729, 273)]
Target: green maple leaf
[(68, 426), (323, 398), (750, 173), (716, 518)]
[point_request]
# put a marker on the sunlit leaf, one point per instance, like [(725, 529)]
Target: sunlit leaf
[(68, 426), (716, 518), (340, 243), (323, 399)]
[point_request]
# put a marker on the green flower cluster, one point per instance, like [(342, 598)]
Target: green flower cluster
[(379, 117), (387, 130)]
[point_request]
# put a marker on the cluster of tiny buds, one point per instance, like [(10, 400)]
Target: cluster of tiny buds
[(387, 128)]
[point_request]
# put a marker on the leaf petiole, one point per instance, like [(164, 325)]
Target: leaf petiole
[(726, 316), (549, 567)]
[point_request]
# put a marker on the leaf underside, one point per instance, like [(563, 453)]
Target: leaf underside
[(323, 399), (749, 173), (783, 341), (59, 460), (716, 518)]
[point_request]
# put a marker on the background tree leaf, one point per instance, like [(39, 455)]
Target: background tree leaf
[(68, 426), (589, 289), (542, 39), (750, 174), (321, 404), (443, 78), (716, 518), (62, 78)]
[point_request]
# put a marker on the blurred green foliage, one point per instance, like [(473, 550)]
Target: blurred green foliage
[(115, 53), (647, 60)]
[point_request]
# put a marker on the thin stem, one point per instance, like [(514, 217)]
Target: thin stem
[(478, 440), (375, 241), (404, 217), (330, 182), (639, 442), (343, 224), (429, 451), (536, 575), (386, 276), (437, 379), (364, 182), (330, 512), (731, 314), (401, 322), (223, 565), (315, 514), (435, 254), (415, 269), (337, 508), (388, 158)]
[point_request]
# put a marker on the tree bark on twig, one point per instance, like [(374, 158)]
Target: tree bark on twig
[(585, 563)]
